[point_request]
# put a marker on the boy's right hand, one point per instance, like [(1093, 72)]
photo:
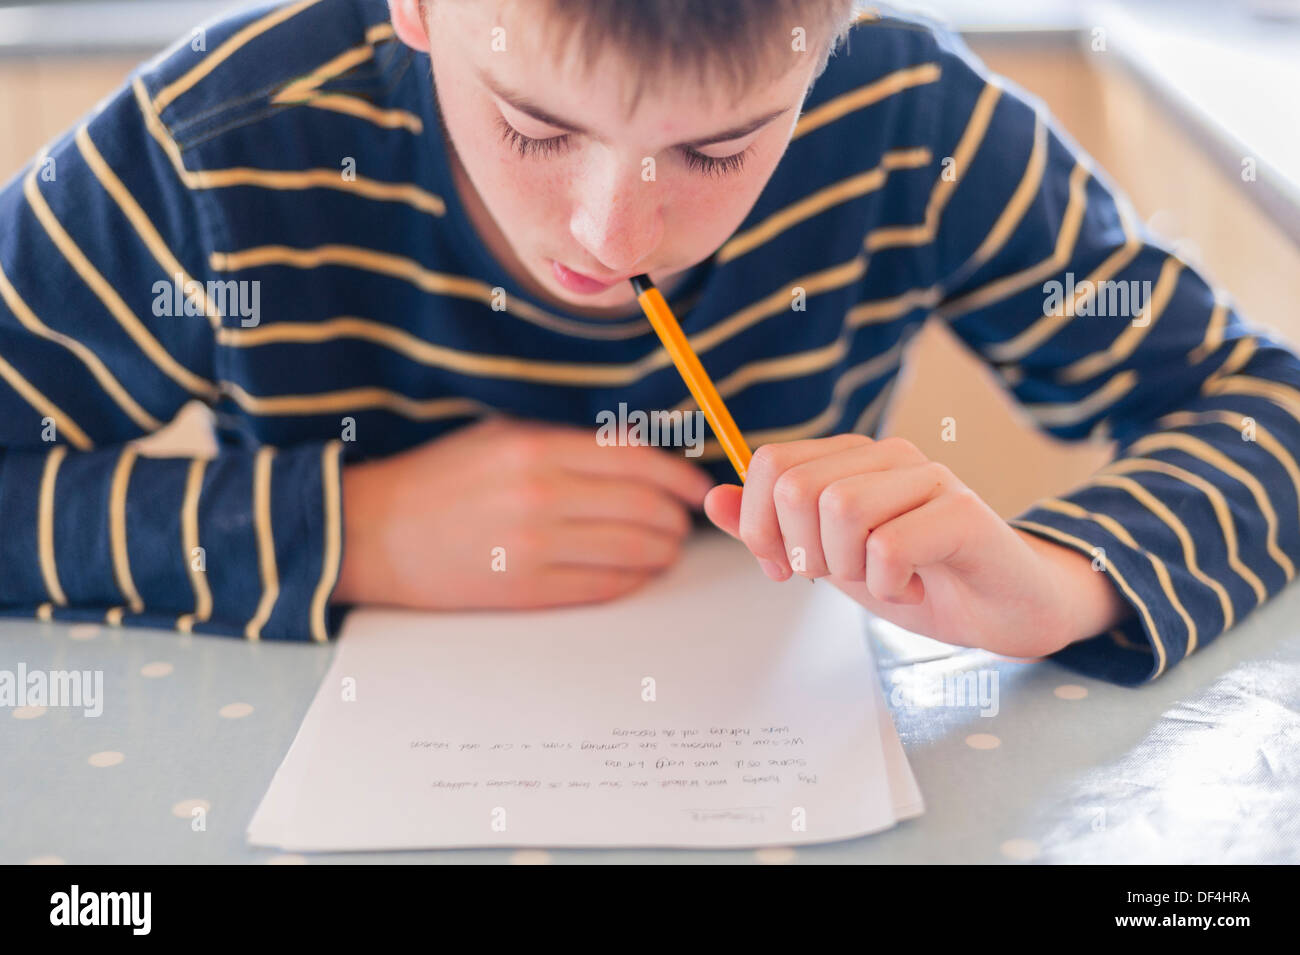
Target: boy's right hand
[(577, 522)]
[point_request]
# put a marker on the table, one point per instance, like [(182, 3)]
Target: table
[(1203, 765)]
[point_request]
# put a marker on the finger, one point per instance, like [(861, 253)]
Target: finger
[(564, 585), (759, 528), (861, 458), (662, 468), (798, 493), (926, 536), (850, 508), (585, 498), (611, 544), (722, 507)]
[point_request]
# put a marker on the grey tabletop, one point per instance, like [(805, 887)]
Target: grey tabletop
[(1018, 761)]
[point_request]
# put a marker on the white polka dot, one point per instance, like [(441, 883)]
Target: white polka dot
[(29, 712), (45, 860), (775, 855), (1022, 850), (185, 808), (983, 741), (1070, 691), (287, 858), (84, 631), (530, 857), (105, 759), (156, 669), (235, 711)]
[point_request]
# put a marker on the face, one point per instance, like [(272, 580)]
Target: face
[(574, 193)]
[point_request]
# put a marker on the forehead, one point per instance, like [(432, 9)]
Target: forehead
[(562, 62)]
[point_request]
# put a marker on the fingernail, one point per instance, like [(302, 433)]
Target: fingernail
[(772, 568)]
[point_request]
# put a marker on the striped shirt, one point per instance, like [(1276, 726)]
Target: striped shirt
[(298, 148)]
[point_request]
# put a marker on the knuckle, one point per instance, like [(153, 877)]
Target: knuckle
[(640, 548), (839, 505), (639, 500), (645, 502), (681, 522), (526, 451), (665, 551), (530, 546), (881, 546), (902, 447), (535, 493), (766, 460), (792, 489), (940, 474), (851, 440)]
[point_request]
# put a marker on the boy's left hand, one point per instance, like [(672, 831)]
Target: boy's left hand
[(905, 538)]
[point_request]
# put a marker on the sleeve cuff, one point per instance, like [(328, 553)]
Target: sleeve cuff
[(1145, 644)]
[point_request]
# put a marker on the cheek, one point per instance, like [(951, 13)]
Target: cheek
[(708, 209), (521, 194), (705, 211), (517, 192)]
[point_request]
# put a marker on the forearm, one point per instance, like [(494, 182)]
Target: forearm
[(242, 543)]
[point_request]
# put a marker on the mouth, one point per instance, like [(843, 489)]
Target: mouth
[(581, 284)]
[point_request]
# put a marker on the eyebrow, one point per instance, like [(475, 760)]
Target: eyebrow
[(529, 108)]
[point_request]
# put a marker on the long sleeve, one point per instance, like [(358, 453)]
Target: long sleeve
[(1101, 331), (108, 315)]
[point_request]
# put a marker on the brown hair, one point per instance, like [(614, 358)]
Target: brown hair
[(734, 42)]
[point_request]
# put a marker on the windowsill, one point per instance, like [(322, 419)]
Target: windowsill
[(1230, 80), (1226, 75), (111, 27)]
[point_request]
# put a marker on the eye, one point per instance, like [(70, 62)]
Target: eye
[(715, 165), (527, 146)]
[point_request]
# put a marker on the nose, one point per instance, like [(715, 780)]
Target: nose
[(617, 216)]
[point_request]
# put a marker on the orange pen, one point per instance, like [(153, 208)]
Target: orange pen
[(693, 373)]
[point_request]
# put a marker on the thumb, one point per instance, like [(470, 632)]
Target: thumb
[(722, 505)]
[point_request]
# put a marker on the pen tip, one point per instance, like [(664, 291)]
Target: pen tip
[(641, 283)]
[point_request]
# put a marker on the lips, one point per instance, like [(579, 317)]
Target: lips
[(579, 283)]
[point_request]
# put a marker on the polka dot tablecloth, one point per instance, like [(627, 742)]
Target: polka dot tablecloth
[(1019, 761)]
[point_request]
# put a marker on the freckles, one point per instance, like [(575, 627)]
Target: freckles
[(535, 195), (718, 206)]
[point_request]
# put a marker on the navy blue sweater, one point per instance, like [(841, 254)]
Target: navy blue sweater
[(916, 184)]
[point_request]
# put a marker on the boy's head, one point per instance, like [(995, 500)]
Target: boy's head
[(606, 138)]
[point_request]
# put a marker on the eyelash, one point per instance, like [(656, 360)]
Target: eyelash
[(527, 147), (715, 165)]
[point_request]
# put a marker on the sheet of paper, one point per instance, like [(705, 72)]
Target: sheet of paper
[(712, 708)]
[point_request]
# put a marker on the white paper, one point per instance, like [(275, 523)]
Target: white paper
[(712, 708)]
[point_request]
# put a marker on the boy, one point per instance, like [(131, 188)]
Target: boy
[(427, 214)]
